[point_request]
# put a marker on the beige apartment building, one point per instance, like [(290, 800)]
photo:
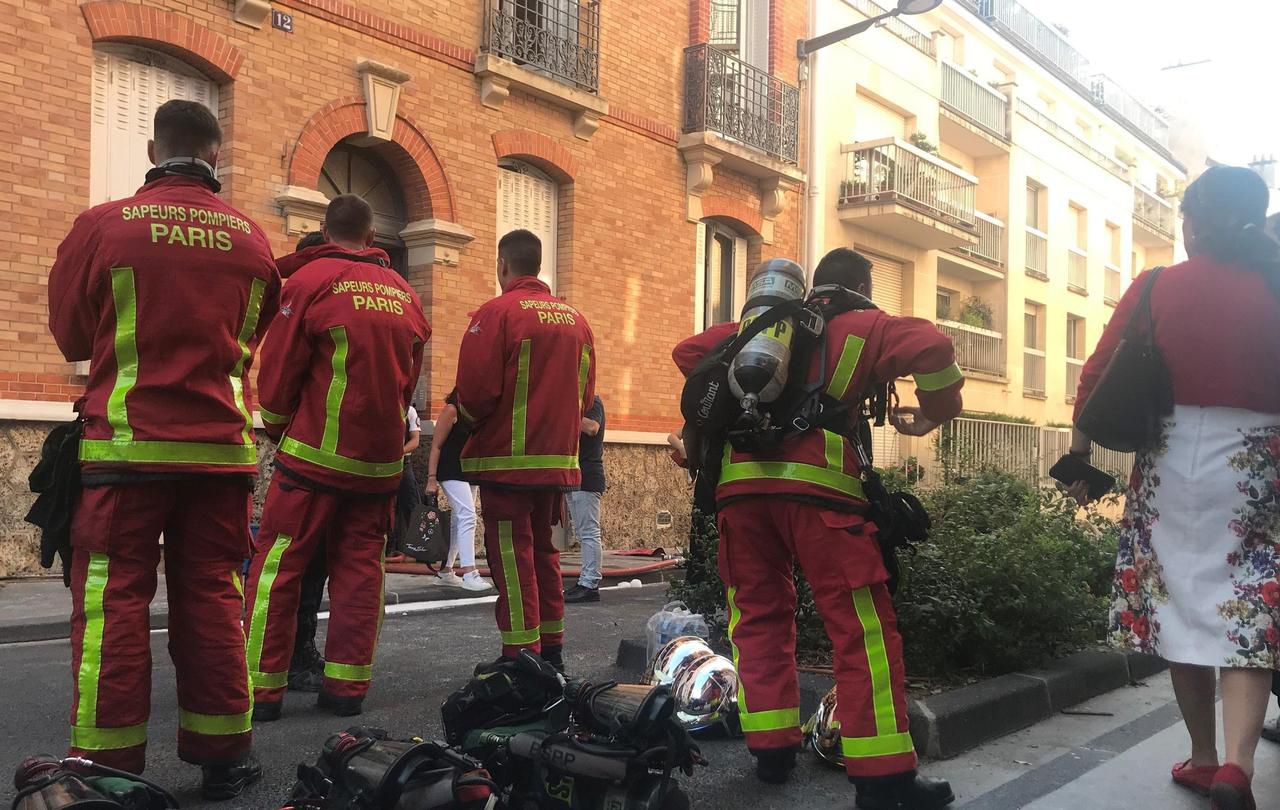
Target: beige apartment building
[(1001, 187)]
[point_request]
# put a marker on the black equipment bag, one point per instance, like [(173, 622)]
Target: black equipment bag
[(504, 693), (1126, 409), (56, 481), (427, 537)]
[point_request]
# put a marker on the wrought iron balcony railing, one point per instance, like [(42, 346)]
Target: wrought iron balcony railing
[(990, 247), (724, 94), (559, 37), (975, 101), (1153, 212), (876, 168)]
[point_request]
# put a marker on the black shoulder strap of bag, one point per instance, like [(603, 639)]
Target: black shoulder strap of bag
[(1143, 310)]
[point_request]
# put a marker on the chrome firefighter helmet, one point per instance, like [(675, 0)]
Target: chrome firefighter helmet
[(704, 684), (672, 657), (822, 732)]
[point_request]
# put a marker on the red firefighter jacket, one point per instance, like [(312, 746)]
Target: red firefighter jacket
[(339, 368), (864, 348), (526, 374), (167, 293)]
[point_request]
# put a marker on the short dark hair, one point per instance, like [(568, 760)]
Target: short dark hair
[(310, 240), (522, 251), (186, 129), (848, 268), (348, 217)]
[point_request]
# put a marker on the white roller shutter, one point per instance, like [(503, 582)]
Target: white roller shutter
[(700, 278), (886, 283), (127, 90), (528, 200)]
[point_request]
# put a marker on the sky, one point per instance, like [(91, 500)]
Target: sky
[(1231, 99)]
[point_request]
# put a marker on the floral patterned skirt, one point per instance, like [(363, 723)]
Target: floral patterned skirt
[(1196, 573)]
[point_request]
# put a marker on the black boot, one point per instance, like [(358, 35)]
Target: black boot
[(306, 670), (222, 782), (580, 594), (341, 706), (555, 657), (902, 791), (774, 765), (267, 712)]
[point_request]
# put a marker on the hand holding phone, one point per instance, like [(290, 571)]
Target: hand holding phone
[(1071, 469)]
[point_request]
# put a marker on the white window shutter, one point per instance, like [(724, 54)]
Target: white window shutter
[(739, 276), (527, 200), (700, 278), (754, 32)]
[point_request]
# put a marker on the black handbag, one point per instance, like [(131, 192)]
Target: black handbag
[(1126, 410), (427, 540)]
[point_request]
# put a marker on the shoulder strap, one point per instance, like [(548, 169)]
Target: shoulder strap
[(354, 257), (1143, 310), (769, 318)]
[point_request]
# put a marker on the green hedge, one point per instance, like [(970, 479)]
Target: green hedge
[(1009, 579)]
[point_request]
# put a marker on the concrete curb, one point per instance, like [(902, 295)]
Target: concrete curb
[(946, 725)]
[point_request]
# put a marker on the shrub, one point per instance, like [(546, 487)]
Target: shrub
[(1009, 579)]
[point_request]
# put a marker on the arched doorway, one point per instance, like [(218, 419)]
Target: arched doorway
[(351, 169)]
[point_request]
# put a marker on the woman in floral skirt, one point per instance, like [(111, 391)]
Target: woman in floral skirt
[(1196, 575)]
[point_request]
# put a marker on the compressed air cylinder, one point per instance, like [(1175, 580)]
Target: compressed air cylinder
[(759, 372)]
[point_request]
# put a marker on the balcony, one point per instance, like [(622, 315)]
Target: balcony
[(1077, 271), (1033, 373), (1114, 99), (893, 188), (1153, 218), (975, 101), (741, 103), (978, 350), (990, 247), (549, 51), (1037, 254), (1074, 141), (1042, 40), (897, 26), (1074, 367), (1111, 293)]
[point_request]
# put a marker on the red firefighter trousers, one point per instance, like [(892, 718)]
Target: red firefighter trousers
[(760, 540), (295, 521), (525, 566), (115, 536)]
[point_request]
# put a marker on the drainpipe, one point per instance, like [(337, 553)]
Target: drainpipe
[(813, 169)]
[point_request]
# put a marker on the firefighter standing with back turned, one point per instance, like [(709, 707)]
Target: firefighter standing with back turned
[(526, 374), (804, 502), (166, 293), (338, 370)]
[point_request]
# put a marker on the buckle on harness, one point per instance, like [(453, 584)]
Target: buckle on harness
[(801, 424)]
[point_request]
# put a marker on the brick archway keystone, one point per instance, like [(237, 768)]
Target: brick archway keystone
[(165, 31), (540, 150)]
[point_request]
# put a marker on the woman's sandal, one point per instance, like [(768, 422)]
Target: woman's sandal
[(1198, 779), (1231, 790)]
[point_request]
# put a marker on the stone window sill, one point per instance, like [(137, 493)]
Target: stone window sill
[(499, 76)]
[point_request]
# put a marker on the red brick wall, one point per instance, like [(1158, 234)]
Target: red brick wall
[(627, 251)]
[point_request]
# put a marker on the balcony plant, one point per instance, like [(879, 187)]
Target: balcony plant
[(977, 313), (921, 141)]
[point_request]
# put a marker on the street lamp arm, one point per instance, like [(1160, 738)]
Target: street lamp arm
[(804, 47)]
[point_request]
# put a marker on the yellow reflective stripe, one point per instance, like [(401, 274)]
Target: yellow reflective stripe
[(519, 463), (520, 407), (251, 314), (258, 616), (775, 720), (272, 418), (879, 746), (511, 578), (337, 390), (90, 738), (95, 593), (124, 298), (584, 368), (735, 616), (553, 627), (333, 461), (835, 449), (517, 637), (848, 363), (239, 586), (348, 672), (939, 379), (269, 680), (877, 662), (168, 452), (792, 471), (216, 725)]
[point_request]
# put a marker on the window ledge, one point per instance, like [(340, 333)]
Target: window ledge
[(1036, 274), (498, 76), (1078, 290), (1034, 395)]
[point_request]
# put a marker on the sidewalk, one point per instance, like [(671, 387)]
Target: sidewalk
[(39, 609)]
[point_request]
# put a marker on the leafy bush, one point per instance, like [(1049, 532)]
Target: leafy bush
[(1009, 579)]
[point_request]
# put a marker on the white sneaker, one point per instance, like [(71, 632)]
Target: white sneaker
[(450, 578), (472, 581)]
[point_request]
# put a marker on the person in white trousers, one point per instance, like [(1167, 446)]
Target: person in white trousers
[(444, 472)]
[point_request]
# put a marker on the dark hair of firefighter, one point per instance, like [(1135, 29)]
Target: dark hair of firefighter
[(310, 240), (348, 218), (185, 129), (522, 252), (1226, 219), (848, 268)]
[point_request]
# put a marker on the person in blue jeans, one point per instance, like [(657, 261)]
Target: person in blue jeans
[(584, 505)]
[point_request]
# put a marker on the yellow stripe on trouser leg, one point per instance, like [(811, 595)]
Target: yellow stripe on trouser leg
[(216, 725), (553, 627), (888, 741), (518, 634), (348, 672), (772, 720), (258, 619), (735, 616), (85, 734)]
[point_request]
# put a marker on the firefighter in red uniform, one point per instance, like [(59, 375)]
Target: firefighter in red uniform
[(526, 373), (338, 371), (805, 503), (166, 293)]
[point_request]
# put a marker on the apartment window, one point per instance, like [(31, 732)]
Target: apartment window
[(1036, 214), (528, 199), (944, 312), (1079, 226), (721, 267), (1033, 326), (129, 84), (1113, 245), (1135, 266), (1075, 337), (742, 27), (1033, 359)]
